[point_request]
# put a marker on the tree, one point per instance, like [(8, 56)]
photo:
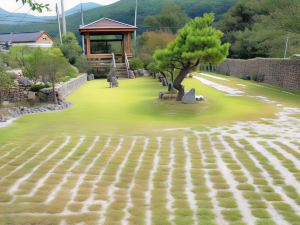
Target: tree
[(171, 18), (17, 55), (52, 66), (32, 64), (6, 79), (82, 64), (197, 42), (35, 6), (70, 47), (285, 14), (150, 41)]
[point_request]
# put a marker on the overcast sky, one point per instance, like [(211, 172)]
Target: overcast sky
[(12, 6)]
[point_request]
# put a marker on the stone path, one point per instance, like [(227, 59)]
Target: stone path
[(244, 173)]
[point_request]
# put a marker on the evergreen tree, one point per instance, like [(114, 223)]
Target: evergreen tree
[(197, 42)]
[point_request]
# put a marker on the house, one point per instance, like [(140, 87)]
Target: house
[(31, 39)]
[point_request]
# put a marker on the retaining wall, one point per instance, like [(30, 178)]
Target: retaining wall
[(279, 72), (62, 90), (15, 94)]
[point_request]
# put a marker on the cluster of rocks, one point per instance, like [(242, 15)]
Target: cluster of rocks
[(16, 112), (191, 98), (142, 73), (90, 77), (131, 74)]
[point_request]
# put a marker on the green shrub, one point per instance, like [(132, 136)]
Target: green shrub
[(70, 47), (136, 64), (37, 87), (6, 79), (152, 67), (82, 64), (17, 56)]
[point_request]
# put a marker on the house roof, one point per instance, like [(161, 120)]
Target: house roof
[(22, 37), (107, 24)]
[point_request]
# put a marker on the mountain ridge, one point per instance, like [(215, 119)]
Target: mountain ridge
[(123, 11), (16, 18)]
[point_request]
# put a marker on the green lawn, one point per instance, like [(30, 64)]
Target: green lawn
[(135, 108), (117, 156)]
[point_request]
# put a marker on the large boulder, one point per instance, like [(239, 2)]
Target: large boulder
[(24, 81), (131, 74), (189, 97), (90, 77)]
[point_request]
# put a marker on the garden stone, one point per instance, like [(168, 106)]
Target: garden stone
[(5, 103), (31, 95), (199, 98), (131, 74), (24, 81), (164, 82), (114, 82), (90, 77), (160, 95), (190, 97)]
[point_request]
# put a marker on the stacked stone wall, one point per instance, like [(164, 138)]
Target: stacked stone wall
[(14, 94), (278, 72)]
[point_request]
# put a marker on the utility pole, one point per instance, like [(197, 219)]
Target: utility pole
[(82, 36), (135, 24), (58, 21), (64, 25), (286, 47)]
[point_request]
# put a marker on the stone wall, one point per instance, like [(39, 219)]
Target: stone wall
[(278, 72), (63, 90), (15, 94)]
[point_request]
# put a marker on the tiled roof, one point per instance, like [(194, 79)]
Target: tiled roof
[(107, 23), (22, 37)]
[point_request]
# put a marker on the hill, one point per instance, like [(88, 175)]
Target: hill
[(23, 18), (123, 10), (20, 18), (85, 6)]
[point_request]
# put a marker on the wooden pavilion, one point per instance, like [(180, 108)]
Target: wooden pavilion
[(106, 37)]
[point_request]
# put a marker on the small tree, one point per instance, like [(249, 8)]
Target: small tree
[(82, 64), (70, 47), (6, 79), (197, 42), (32, 64), (17, 55), (52, 66)]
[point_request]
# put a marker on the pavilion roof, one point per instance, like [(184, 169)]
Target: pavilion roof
[(105, 24)]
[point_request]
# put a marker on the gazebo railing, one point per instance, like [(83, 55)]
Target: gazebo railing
[(114, 60), (127, 64)]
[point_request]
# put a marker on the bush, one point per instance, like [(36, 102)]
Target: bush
[(6, 79), (38, 87), (70, 47), (17, 56), (82, 64), (152, 67), (136, 64)]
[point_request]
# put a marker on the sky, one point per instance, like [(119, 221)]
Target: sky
[(12, 6)]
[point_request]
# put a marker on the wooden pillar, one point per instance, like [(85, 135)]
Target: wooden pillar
[(88, 44), (123, 43), (129, 43)]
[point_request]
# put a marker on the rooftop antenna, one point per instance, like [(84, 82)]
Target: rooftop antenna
[(64, 25), (58, 21)]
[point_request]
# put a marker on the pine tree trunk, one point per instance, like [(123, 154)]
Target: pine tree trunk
[(177, 83)]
